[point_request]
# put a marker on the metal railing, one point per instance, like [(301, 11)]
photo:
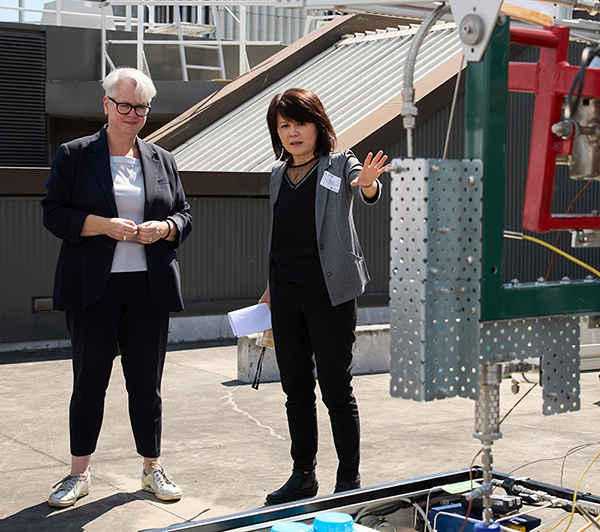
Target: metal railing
[(144, 21), (139, 16)]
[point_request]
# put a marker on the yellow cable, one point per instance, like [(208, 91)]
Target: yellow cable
[(510, 234), (558, 524), (584, 528), (577, 489)]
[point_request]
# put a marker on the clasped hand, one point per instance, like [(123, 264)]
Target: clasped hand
[(147, 233)]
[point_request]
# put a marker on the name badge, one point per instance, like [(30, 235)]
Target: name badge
[(331, 182)]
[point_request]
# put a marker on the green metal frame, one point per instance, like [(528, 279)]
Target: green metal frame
[(485, 139)]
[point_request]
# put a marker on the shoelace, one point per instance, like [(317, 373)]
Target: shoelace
[(67, 483), (161, 477)]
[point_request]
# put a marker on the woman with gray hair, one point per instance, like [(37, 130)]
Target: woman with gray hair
[(118, 205)]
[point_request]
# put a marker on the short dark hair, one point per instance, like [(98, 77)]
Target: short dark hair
[(300, 105)]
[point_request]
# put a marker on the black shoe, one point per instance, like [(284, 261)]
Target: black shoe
[(346, 485), (300, 485)]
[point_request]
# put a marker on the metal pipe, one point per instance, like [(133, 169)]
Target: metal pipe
[(533, 37), (182, 59), (409, 109), (242, 64)]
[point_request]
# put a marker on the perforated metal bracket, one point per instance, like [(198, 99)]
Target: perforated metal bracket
[(555, 339), (435, 277)]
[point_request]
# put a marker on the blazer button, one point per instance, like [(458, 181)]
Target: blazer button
[(321, 246), (328, 274)]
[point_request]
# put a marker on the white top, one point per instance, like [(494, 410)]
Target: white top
[(128, 184)]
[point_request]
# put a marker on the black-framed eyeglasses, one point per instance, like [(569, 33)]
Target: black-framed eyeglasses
[(125, 108)]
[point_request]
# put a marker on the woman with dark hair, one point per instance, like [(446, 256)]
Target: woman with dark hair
[(316, 271)]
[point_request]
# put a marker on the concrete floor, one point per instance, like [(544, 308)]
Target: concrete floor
[(227, 444)]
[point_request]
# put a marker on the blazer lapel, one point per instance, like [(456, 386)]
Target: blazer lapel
[(97, 154), (321, 195), (275, 185), (151, 169)]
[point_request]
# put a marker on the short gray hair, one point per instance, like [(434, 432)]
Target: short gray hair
[(144, 88)]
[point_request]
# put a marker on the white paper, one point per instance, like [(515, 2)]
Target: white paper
[(250, 320)]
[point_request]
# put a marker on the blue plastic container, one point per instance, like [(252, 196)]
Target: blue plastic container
[(291, 526), (333, 522)]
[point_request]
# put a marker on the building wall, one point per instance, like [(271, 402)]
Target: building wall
[(223, 262)]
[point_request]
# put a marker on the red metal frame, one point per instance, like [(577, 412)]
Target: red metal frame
[(550, 80)]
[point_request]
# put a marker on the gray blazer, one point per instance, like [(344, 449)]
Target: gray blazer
[(342, 261)]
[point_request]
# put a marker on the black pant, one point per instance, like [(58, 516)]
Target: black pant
[(124, 318), (303, 327)]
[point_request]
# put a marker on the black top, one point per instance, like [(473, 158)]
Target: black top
[(295, 262)]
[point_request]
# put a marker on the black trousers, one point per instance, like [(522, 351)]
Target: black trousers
[(126, 319), (303, 327)]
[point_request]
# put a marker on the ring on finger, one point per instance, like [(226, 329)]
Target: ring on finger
[(124, 237), (150, 239)]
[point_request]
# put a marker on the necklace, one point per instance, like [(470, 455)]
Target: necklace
[(303, 164)]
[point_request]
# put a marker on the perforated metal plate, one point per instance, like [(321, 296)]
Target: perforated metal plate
[(435, 273), (555, 339)]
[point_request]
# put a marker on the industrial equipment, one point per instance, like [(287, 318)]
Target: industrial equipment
[(456, 329)]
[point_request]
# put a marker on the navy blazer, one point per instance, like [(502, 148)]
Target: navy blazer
[(80, 183), (342, 261)]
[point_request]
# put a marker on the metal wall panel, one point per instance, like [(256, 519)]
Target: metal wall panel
[(28, 255), (264, 23), (225, 256), (373, 228), (223, 261), (22, 99)]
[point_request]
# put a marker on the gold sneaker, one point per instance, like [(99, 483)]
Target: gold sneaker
[(71, 488), (161, 484)]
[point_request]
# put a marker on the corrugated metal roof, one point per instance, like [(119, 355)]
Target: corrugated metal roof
[(353, 78)]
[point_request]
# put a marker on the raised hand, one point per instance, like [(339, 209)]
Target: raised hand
[(373, 167)]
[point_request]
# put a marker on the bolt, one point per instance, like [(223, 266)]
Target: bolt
[(470, 260), (472, 180)]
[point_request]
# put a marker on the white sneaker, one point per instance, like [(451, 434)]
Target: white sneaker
[(161, 484), (71, 488)]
